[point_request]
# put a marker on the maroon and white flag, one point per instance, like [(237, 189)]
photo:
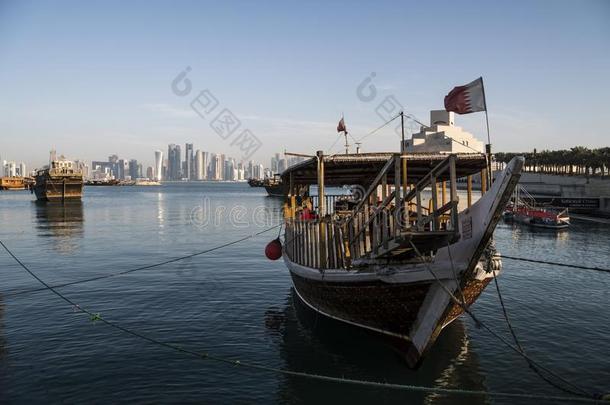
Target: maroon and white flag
[(466, 99), (341, 126)]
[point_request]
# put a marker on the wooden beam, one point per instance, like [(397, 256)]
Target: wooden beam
[(469, 190), (397, 193)]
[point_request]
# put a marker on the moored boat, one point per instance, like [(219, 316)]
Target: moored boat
[(146, 182), (274, 186), (252, 182), (386, 262), (61, 181), (524, 209), (15, 183)]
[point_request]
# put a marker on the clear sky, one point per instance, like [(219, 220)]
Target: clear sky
[(94, 78)]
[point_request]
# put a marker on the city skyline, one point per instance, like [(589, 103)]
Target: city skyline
[(194, 165)]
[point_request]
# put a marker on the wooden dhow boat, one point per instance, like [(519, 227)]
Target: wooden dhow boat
[(387, 262), (274, 186), (61, 181), (15, 183)]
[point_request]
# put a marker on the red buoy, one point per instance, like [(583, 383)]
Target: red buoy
[(273, 251)]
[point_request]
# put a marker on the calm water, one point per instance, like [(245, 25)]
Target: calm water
[(235, 303)]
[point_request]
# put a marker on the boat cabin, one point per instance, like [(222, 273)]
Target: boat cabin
[(401, 206)]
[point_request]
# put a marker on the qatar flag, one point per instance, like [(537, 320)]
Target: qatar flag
[(341, 126), (466, 99)]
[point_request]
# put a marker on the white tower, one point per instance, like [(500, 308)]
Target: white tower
[(158, 165), (199, 167)]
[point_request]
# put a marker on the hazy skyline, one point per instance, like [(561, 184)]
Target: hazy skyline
[(91, 80)]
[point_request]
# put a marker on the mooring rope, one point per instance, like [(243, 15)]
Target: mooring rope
[(480, 323), (575, 266), (259, 367), (146, 267)]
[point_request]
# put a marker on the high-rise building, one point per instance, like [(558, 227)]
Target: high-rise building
[(121, 168), (11, 169), (281, 166), (217, 167), (173, 162), (188, 161), (230, 170), (275, 160), (83, 167), (241, 172), (199, 167), (133, 169), (150, 173), (158, 169), (22, 172)]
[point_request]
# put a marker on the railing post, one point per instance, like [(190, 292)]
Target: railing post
[(322, 211), (397, 194), (420, 226), (453, 194), (469, 190), (434, 203), (321, 199)]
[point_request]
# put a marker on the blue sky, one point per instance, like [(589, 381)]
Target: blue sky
[(92, 79)]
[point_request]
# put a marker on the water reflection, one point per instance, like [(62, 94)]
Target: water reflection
[(319, 345), (63, 222)]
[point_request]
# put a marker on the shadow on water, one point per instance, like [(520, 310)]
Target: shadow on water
[(319, 345), (61, 221)]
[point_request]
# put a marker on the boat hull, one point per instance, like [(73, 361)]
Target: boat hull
[(58, 189), (276, 190), (388, 309)]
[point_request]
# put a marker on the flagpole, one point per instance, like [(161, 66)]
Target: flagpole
[(488, 146), (345, 135), (402, 130)]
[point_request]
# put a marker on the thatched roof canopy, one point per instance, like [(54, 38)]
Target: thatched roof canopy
[(362, 168)]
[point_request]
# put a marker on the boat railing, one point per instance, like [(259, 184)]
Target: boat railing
[(316, 243)]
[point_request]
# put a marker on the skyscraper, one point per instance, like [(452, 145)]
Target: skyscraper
[(206, 164), (217, 166), (158, 169), (119, 169), (281, 166), (199, 166), (133, 169), (173, 162), (188, 161)]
